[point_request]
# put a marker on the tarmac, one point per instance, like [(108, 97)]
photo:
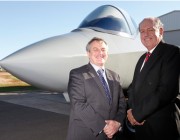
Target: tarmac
[(37, 115)]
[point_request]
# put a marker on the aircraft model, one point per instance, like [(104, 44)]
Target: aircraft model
[(47, 63)]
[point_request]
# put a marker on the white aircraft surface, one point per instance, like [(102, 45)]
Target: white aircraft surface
[(47, 63)]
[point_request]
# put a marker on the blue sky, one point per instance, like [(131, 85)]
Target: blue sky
[(26, 22)]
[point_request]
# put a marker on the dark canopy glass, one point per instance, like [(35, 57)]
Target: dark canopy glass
[(109, 19)]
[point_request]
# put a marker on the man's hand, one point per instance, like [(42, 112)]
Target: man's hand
[(111, 128), (131, 118)]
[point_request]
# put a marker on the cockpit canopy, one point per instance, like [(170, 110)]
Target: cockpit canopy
[(111, 20)]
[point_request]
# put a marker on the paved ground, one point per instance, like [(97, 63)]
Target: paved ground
[(44, 100), (37, 115)]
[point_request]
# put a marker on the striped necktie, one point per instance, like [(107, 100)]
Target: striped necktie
[(105, 86)]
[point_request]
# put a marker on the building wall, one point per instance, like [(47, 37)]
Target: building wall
[(171, 20), (172, 37), (171, 23)]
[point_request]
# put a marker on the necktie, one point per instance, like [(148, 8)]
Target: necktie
[(147, 56), (105, 86)]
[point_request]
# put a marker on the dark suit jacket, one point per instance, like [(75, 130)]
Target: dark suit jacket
[(153, 90), (89, 104)]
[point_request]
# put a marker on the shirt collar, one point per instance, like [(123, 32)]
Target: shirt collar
[(151, 51), (97, 67)]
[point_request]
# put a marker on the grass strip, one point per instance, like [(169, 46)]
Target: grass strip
[(17, 88)]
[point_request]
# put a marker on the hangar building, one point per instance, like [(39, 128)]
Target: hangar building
[(171, 23)]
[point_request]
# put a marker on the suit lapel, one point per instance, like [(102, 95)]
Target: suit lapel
[(147, 66), (110, 82), (137, 74)]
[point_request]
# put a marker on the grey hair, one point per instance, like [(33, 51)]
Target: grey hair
[(88, 46), (156, 22)]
